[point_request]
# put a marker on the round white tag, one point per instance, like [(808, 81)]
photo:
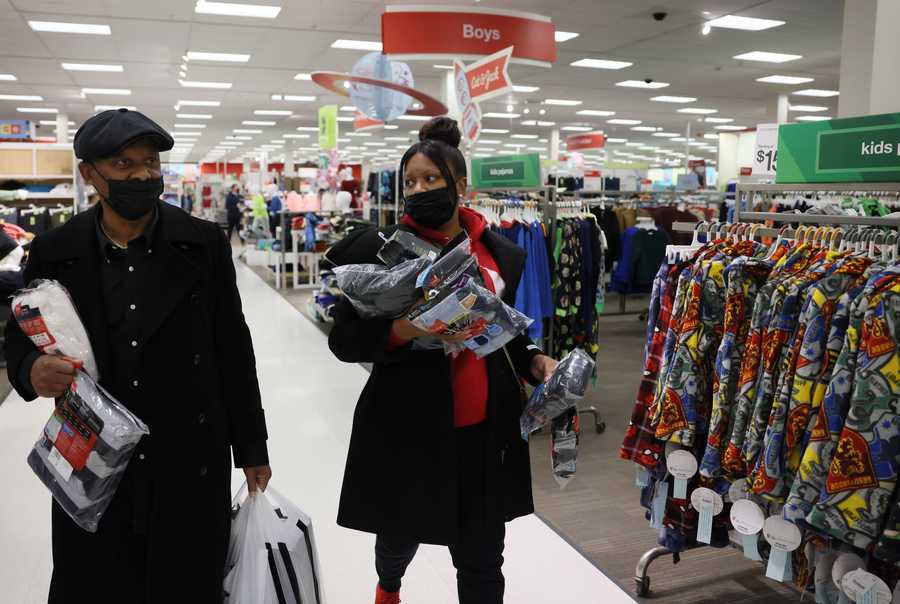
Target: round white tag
[(781, 534), (703, 496), (843, 565), (681, 464), (747, 517), (738, 490), (858, 581)]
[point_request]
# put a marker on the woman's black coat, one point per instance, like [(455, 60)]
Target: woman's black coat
[(401, 474)]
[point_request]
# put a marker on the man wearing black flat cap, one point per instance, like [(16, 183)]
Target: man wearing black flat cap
[(156, 291)]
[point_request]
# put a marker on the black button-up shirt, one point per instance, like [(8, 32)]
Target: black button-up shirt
[(122, 271)]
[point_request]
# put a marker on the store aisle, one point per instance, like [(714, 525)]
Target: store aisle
[(309, 398)]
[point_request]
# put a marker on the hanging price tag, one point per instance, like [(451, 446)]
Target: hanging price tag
[(709, 504), (751, 547), (658, 508), (747, 518), (682, 466), (784, 538), (642, 476), (863, 587), (738, 490)]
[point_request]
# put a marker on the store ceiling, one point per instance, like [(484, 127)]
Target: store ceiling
[(149, 38)]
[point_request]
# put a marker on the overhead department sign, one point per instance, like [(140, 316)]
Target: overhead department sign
[(507, 171)]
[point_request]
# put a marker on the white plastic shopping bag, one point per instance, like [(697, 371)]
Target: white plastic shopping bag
[(272, 555)]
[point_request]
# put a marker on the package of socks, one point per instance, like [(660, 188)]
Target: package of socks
[(378, 291), (46, 314), (463, 305), (84, 449), (562, 391), (403, 246), (272, 556), (455, 261), (564, 434)]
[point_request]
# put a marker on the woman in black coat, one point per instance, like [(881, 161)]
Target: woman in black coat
[(436, 454)]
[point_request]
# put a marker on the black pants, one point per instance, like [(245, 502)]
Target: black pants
[(478, 552), (234, 224)]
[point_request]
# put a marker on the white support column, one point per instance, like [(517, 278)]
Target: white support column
[(62, 128), (554, 144), (782, 111), (869, 51)]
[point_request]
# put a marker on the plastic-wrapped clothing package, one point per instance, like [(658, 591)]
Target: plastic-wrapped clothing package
[(377, 291), (446, 270), (84, 450), (464, 305), (402, 246), (561, 392), (46, 314), (272, 556), (564, 436)]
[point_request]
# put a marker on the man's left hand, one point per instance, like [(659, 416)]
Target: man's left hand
[(257, 476), (542, 367)]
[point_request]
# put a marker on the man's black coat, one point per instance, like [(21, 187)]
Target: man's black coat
[(198, 394)]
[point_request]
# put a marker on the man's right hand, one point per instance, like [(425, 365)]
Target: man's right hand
[(52, 375)]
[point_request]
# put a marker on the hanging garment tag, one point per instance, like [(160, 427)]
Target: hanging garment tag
[(863, 587), (708, 503), (869, 596), (682, 465), (658, 509), (642, 476), (778, 568), (843, 599), (751, 549)]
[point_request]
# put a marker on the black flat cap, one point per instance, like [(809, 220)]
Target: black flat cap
[(109, 132)]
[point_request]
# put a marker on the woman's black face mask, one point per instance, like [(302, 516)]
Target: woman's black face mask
[(432, 209)]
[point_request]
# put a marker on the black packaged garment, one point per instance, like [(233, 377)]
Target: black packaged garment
[(378, 291), (609, 223), (34, 220)]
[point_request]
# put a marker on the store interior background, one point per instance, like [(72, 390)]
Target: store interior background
[(844, 50)]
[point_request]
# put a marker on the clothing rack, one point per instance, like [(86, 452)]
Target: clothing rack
[(642, 569)]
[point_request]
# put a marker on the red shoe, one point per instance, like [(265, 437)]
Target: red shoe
[(386, 597)]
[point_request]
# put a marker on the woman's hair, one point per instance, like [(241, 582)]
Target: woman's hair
[(439, 141)]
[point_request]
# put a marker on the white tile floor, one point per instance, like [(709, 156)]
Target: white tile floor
[(309, 398)]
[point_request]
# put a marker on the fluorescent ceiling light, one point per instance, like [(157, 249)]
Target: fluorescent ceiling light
[(644, 129), (577, 128), (697, 110), (308, 128), (224, 57), (361, 134), (562, 102), (526, 88), (394, 127), (634, 144), (564, 36), (673, 99), (811, 108), (537, 148), (295, 136), (53, 123), (20, 97), (501, 115), (719, 120), (303, 76), (617, 140), (272, 112), (396, 138), (194, 116), (483, 141), (98, 108), (526, 136), (36, 110), (412, 118), (545, 124), (374, 144), (248, 131), (494, 131), (622, 122), (194, 84), (240, 138), (257, 123), (711, 137), (199, 103), (190, 125), (448, 67), (816, 92), (642, 84), (230, 9), (666, 134), (356, 44), (348, 108), (92, 67), (745, 23), (350, 119), (113, 91), (812, 118), (70, 28), (782, 79), (767, 57), (731, 127), (601, 64), (7, 77), (596, 112)]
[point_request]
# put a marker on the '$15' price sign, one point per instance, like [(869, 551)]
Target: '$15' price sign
[(766, 157)]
